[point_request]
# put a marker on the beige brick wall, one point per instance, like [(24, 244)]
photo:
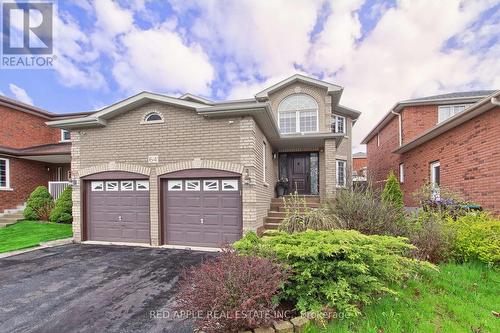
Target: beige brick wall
[(184, 140)]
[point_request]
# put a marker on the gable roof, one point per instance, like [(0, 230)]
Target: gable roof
[(473, 111), (332, 88), (359, 155), (33, 110), (450, 98), (197, 99)]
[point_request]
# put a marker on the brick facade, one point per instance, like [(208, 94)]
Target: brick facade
[(25, 176), (381, 160), (358, 164), (20, 129), (469, 156)]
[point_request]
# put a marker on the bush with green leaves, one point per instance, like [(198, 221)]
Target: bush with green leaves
[(299, 217), (62, 212), (392, 193), (338, 270), (430, 233), (362, 210), (39, 205), (476, 237)]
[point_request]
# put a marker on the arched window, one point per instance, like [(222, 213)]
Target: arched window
[(298, 113), (152, 118)]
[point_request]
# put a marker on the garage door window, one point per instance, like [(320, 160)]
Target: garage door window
[(175, 185), (127, 185), (230, 185), (142, 185), (111, 186), (210, 185), (192, 185), (97, 186)]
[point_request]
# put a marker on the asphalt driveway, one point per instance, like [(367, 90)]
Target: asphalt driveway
[(93, 288)]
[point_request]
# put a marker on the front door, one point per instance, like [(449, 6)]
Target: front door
[(298, 173)]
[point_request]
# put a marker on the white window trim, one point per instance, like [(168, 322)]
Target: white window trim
[(337, 173), (117, 187), (231, 182), (401, 173), (172, 183), (123, 188), (94, 184), (152, 122), (452, 106), (144, 183), (297, 116), (435, 187), (264, 166), (209, 189), (7, 175), (197, 188), (336, 124), (62, 136)]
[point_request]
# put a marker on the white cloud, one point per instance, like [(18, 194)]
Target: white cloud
[(159, 60), (20, 94), (263, 38)]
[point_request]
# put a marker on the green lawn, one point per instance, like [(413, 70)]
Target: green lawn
[(459, 298), (26, 234)]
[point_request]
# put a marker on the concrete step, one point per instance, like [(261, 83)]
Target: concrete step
[(274, 213), (9, 218), (281, 208), (273, 220), (308, 199), (271, 226)]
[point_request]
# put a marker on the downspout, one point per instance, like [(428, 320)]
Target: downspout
[(495, 101), (400, 127)]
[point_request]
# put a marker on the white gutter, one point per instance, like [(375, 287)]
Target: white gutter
[(400, 127)]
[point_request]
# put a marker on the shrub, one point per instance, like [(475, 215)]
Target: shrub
[(299, 217), (232, 292), (62, 209), (39, 205), (392, 193), (476, 237), (336, 270), (430, 233), (447, 202), (365, 212)]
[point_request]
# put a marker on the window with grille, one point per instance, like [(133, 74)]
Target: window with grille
[(298, 113)]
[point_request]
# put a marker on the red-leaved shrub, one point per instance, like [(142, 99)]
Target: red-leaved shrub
[(231, 292)]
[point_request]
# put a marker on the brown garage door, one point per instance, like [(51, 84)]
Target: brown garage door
[(201, 212), (118, 210)]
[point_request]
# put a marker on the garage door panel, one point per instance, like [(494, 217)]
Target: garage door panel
[(220, 211), (230, 203), (104, 211), (209, 219)]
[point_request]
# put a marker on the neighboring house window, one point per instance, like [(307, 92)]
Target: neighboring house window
[(401, 173), (4, 174), (152, 118), (338, 124), (264, 162), (435, 177), (447, 111), (298, 113), (65, 135), (341, 173)]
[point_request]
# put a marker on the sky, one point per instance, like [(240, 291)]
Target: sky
[(381, 52)]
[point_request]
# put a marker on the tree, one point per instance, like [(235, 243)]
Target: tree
[(392, 193)]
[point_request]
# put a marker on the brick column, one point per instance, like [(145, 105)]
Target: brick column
[(154, 208), (329, 170), (77, 189)]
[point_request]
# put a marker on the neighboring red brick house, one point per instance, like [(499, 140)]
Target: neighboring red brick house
[(452, 140), (359, 166), (31, 153)]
